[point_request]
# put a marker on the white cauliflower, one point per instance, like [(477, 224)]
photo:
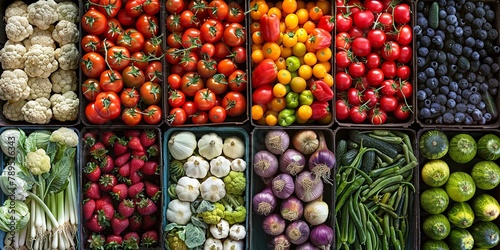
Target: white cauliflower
[(65, 106), (40, 87), (37, 111), (67, 56), (41, 37), (67, 11), (12, 110), (14, 85), (65, 33), (40, 61), (64, 81), (18, 28), (17, 8), (11, 55), (43, 13)]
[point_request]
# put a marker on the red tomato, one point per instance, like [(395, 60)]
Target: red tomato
[(189, 61), (358, 114), (374, 6), (191, 83), (221, 50), (134, 8), (391, 51), (176, 98), (111, 80), (239, 54), (199, 7), (405, 90), (361, 46), (234, 34), (124, 18), (402, 13), (200, 117), (113, 30), (129, 97), (220, 9), (217, 114), (343, 81), (151, 7), (152, 46), (92, 64), (370, 97), (405, 55), (354, 96), (90, 89), (92, 115), (206, 68), (343, 40), (147, 25), (234, 103), (212, 30), (110, 7), (90, 43), (139, 60), (107, 105), (191, 38), (204, 99), (153, 72), (237, 81), (342, 109), (377, 38), (357, 69), (190, 108), (263, 95), (377, 116), (226, 67), (372, 60), (404, 35), (217, 84), (402, 111), (175, 6), (177, 116), (207, 50), (174, 40), (364, 19), (118, 57), (386, 20), (388, 103), (356, 32), (236, 13), (132, 116), (342, 59), (152, 114), (389, 69), (189, 19), (343, 22), (389, 88), (403, 72), (150, 93), (375, 77), (94, 22), (131, 39), (174, 81), (173, 23)]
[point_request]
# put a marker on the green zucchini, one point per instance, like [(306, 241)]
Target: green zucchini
[(369, 141), (434, 15), (368, 162)]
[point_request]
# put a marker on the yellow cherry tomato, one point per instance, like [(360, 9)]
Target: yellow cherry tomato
[(271, 117), (310, 58), (256, 47), (315, 13), (289, 6), (303, 15), (299, 49), (274, 10), (298, 84), (278, 104), (280, 63), (289, 39), (305, 71), (328, 79), (309, 26), (319, 70), (282, 27), (279, 90), (304, 112), (327, 65), (271, 50), (301, 35), (257, 56), (291, 21), (324, 55), (258, 8), (257, 112), (257, 38), (284, 77), (286, 51)]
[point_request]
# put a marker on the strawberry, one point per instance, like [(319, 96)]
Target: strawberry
[(91, 190), (114, 242), (107, 164), (135, 144), (120, 192), (98, 150), (135, 177), (132, 133), (107, 211), (107, 182), (149, 239), (151, 168), (146, 207), (149, 222), (135, 190), (126, 208), (120, 146), (88, 208), (92, 171), (139, 154), (122, 159), (153, 151), (108, 138), (135, 222), (89, 138), (136, 165), (124, 170), (105, 199), (96, 241), (152, 190), (94, 224), (147, 137), (119, 224)]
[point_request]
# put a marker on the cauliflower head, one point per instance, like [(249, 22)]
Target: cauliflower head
[(11, 55), (37, 111), (235, 183), (65, 106), (12, 110), (14, 85), (41, 37), (64, 81), (65, 136), (43, 13), (67, 56), (17, 8), (18, 28), (38, 162), (39, 87), (65, 33), (40, 61), (67, 11)]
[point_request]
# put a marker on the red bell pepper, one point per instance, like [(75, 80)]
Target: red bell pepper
[(326, 22), (321, 91), (319, 110), (270, 27), (319, 39), (265, 73)]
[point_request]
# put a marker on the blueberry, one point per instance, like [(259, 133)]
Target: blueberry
[(458, 32), (436, 108), (487, 117), (470, 41), (493, 92), (475, 98), (479, 44), (421, 62), (425, 41), (460, 2), (427, 103), (450, 3), (438, 120), (488, 60), (441, 99), (469, 17), (452, 95), (466, 93), (441, 34), (468, 120), (442, 3), (451, 103), (428, 91), (456, 49), (457, 76), (482, 34), (444, 89), (477, 114), (421, 95), (420, 6), (481, 105), (482, 121), (484, 69), (451, 58), (425, 113), (492, 34), (487, 26), (463, 83), (471, 77), (459, 97), (451, 10), (451, 19), (442, 24), (479, 4), (421, 77), (444, 80), (469, 6), (490, 15), (494, 67), (480, 78), (482, 53), (422, 51), (442, 70), (430, 32), (474, 56), (470, 107), (433, 54), (442, 14), (453, 86), (417, 30), (452, 69), (430, 72), (467, 31), (477, 23), (479, 12), (474, 66), (459, 117), (432, 83), (423, 22), (441, 57), (450, 29), (448, 118), (461, 107), (493, 83)]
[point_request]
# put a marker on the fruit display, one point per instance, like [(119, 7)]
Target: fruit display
[(292, 192), (457, 66), (120, 65), (206, 194), (121, 190), (291, 61), (206, 53), (374, 60), (458, 201)]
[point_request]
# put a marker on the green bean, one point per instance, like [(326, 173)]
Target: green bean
[(388, 139), (381, 132)]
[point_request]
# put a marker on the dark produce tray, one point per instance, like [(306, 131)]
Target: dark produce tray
[(241, 119), (85, 157), (29, 130), (391, 120), (258, 238), (412, 241), (436, 119), (454, 167), (223, 132), (3, 39)]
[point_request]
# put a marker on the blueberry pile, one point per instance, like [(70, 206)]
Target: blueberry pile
[(457, 63)]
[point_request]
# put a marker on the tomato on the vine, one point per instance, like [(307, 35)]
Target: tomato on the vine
[(402, 111), (129, 97), (200, 117), (176, 98), (147, 25), (236, 13), (217, 83), (152, 114), (405, 90), (175, 6), (92, 64), (212, 30), (204, 99), (90, 43), (107, 105), (342, 109), (132, 116), (174, 81), (109, 7), (153, 72), (388, 103), (150, 93), (377, 116), (151, 7), (218, 9), (111, 80), (234, 103), (358, 114), (191, 82), (113, 29), (177, 116), (118, 57), (134, 8), (234, 34), (90, 89), (217, 114), (190, 107), (94, 22), (237, 81), (131, 39)]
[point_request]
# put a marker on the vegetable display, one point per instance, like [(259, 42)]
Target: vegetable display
[(291, 189), (374, 53), (121, 67), (121, 189), (457, 196), (39, 183), (291, 60), (39, 62), (205, 194), (374, 192), (457, 51), (207, 82)]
